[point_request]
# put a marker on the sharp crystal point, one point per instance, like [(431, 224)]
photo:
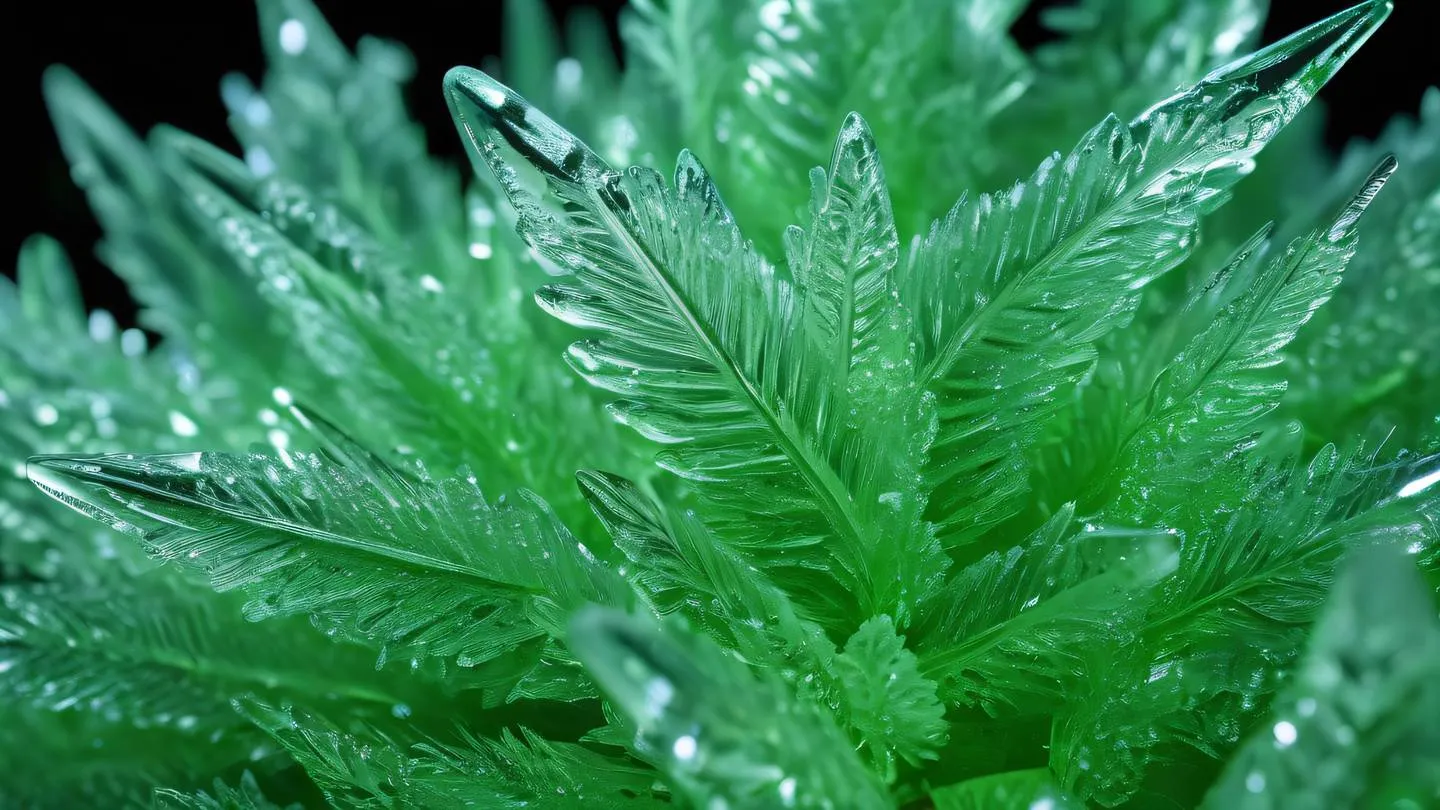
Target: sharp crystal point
[(483, 107), (1357, 206), (1311, 56)]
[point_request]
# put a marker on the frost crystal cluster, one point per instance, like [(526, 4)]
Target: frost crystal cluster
[(826, 465)]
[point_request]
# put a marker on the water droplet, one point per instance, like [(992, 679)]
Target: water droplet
[(568, 74), (45, 414), (258, 159), (685, 748), (257, 111), (1255, 782), (1285, 734), (293, 37), (400, 710), (892, 500), (787, 791), (431, 284), (102, 326), (480, 250), (182, 425), (132, 343)]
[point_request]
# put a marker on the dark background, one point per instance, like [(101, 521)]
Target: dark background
[(161, 60)]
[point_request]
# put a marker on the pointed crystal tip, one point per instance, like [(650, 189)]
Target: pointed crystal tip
[(484, 108), (1311, 56), (477, 87), (1358, 204), (70, 481)]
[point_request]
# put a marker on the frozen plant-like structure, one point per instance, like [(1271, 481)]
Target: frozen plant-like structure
[(1031, 499)]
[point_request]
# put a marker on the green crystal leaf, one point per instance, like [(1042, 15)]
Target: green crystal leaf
[(247, 795), (422, 569), (1356, 725), (892, 707), (1017, 625), (1362, 368), (364, 768), (716, 729), (680, 566), (172, 270), (1031, 789), (1224, 381), (698, 352), (174, 658), (1217, 631), (122, 762), (1054, 264)]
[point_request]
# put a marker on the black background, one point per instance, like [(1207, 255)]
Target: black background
[(161, 60)]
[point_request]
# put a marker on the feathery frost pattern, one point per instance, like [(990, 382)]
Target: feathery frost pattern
[(859, 485)]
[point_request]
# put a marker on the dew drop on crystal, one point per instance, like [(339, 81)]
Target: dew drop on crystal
[(568, 75), (1285, 734), (132, 343), (685, 748), (258, 159), (293, 37), (1255, 782), (182, 425), (46, 415), (787, 791), (102, 326)]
